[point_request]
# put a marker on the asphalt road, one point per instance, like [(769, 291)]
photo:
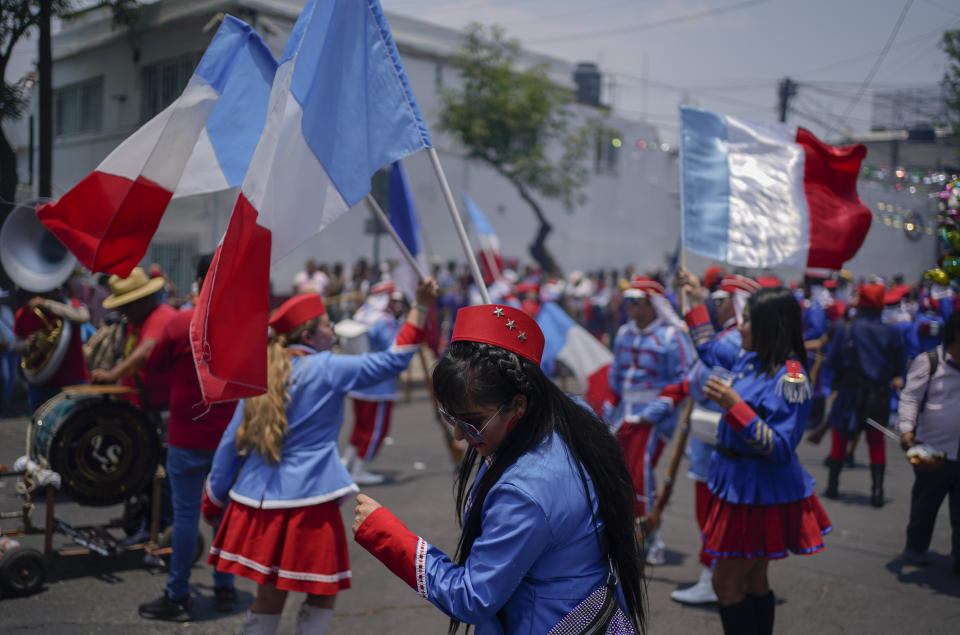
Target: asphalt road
[(857, 584)]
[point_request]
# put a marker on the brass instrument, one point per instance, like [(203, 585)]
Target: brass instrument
[(36, 261), (45, 349)]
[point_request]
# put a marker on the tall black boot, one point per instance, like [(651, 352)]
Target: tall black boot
[(763, 607), (876, 489), (833, 479), (738, 618)]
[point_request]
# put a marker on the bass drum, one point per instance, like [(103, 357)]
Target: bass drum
[(104, 448)]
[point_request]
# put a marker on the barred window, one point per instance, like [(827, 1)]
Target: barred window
[(163, 82), (78, 107)]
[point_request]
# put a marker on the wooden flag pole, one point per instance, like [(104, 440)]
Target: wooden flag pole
[(385, 221), (458, 225)]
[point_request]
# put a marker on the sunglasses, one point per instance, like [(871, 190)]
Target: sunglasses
[(468, 428)]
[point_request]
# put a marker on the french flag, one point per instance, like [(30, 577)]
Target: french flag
[(201, 143), (340, 109), (574, 346), (490, 260), (768, 194)]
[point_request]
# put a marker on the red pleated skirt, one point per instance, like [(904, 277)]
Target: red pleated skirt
[(301, 549), (765, 531)]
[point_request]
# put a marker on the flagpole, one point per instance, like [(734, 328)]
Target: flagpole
[(458, 225), (385, 221)]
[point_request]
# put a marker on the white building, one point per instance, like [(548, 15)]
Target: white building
[(108, 81)]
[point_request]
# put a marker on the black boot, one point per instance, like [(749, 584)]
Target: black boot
[(876, 490), (738, 618), (763, 607), (833, 479)]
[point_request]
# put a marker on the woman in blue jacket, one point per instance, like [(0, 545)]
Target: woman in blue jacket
[(763, 504), (278, 465), (549, 513)]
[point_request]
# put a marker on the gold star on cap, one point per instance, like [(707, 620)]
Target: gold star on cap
[(522, 337), (511, 325), (498, 312)]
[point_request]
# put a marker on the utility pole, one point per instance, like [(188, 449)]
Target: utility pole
[(45, 67), (787, 89)]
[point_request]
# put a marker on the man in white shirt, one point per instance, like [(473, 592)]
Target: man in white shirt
[(310, 280), (929, 404)]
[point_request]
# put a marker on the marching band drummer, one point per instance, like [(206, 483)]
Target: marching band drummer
[(278, 472), (36, 320), (763, 504), (136, 298)]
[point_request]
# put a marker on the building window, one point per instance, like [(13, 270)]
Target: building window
[(163, 82), (178, 260), (608, 143), (78, 107)]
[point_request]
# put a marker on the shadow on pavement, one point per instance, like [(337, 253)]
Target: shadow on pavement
[(935, 576)]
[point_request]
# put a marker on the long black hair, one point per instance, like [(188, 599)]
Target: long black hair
[(486, 375), (776, 328)]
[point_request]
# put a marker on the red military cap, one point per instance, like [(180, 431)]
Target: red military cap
[(732, 283), (829, 284), (770, 282), (298, 310), (712, 275), (386, 286), (871, 296), (502, 326), (641, 287)]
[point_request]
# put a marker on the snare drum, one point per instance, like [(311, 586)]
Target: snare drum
[(104, 447)]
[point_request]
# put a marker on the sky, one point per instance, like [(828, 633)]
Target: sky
[(728, 55)]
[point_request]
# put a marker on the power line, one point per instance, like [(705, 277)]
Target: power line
[(649, 25), (880, 58)]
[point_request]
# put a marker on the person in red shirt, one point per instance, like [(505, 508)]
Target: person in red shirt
[(136, 298), (193, 434), (32, 320)]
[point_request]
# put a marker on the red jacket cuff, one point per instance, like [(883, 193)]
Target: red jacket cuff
[(675, 392), (209, 509), (390, 542), (740, 416), (410, 335), (696, 316)]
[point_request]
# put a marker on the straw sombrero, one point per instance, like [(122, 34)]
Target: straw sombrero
[(134, 287)]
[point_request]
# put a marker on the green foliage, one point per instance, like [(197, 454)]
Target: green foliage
[(950, 44), (515, 120)]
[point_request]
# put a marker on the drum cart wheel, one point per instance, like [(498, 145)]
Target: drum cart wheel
[(22, 571)]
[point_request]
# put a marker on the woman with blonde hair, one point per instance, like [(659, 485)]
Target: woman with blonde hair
[(279, 465)]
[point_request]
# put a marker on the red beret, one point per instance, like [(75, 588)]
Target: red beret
[(528, 287), (896, 294), (386, 286), (770, 282), (502, 326), (298, 310), (871, 296), (712, 275), (829, 284)]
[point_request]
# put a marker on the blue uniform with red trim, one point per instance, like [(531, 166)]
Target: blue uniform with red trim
[(756, 477)]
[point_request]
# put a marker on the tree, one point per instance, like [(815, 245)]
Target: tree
[(17, 17), (950, 44), (517, 122)]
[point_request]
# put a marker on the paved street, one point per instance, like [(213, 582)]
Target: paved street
[(857, 585)]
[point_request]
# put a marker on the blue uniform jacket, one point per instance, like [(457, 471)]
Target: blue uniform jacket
[(770, 473), (645, 361), (537, 556), (309, 471)]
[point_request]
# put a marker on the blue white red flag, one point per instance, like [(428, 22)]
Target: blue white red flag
[(403, 217), (574, 346), (768, 194), (340, 109), (489, 255), (201, 143)]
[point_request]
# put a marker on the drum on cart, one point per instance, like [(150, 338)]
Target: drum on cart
[(104, 447)]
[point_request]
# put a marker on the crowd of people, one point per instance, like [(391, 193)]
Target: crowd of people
[(556, 497)]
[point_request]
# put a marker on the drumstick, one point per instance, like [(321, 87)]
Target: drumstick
[(883, 429), (650, 522)]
